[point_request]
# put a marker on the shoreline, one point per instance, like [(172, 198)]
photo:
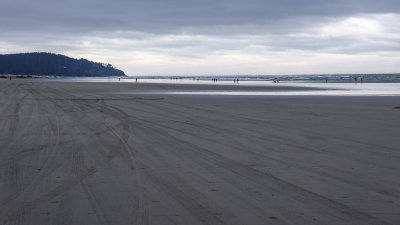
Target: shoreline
[(257, 88)]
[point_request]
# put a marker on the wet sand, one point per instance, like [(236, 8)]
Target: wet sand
[(84, 153)]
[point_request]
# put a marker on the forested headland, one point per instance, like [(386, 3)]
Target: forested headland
[(50, 64)]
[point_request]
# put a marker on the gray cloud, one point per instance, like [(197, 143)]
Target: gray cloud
[(174, 15), (193, 31)]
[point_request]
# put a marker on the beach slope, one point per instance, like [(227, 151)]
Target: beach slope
[(86, 153)]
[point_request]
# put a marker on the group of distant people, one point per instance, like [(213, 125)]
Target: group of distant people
[(356, 78), (236, 81)]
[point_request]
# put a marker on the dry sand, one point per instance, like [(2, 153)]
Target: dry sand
[(78, 153)]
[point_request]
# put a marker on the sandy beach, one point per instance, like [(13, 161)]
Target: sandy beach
[(113, 153)]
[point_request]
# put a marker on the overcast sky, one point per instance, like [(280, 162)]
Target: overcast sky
[(211, 37)]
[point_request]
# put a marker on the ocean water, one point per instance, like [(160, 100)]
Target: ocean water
[(325, 85), (330, 78), (254, 79)]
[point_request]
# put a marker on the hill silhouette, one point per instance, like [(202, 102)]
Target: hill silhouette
[(49, 64)]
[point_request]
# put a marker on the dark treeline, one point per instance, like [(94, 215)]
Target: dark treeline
[(50, 64)]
